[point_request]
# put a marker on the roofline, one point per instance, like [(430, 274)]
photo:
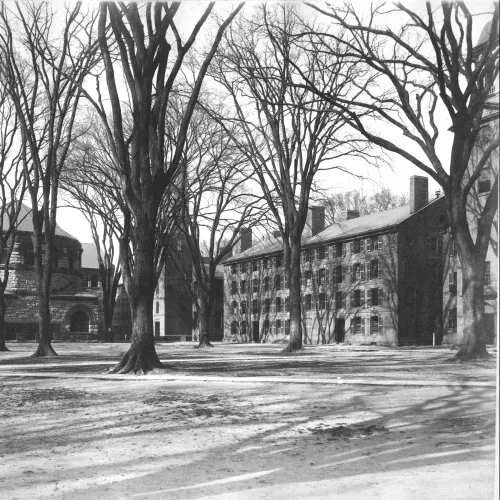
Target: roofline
[(384, 229)]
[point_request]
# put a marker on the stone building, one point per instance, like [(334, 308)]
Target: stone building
[(452, 290), (374, 279), (76, 313)]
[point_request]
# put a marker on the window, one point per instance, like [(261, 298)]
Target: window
[(322, 301), (452, 283), (359, 325), (255, 306), (338, 249), (157, 328), (93, 280), (278, 281), (308, 302), (157, 308), (255, 265), (243, 286), (233, 268), (487, 273), (452, 319), (309, 322), (374, 325), (234, 287), (338, 274), (255, 287), (265, 326), (243, 307), (320, 253), (308, 278), (265, 263), (234, 307), (287, 327), (266, 284), (234, 328), (321, 278), (306, 256), (287, 304), (357, 246), (373, 297), (267, 306), (277, 302), (375, 269), (358, 271), (279, 327), (357, 298), (338, 300), (279, 260), (243, 267), (218, 320), (243, 327)]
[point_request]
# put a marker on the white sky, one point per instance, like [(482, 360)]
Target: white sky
[(395, 178)]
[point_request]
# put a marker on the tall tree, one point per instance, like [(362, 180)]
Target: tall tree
[(430, 65), (145, 43), (43, 66), (285, 133), (217, 206), (12, 188)]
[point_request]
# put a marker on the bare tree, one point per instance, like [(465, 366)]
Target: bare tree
[(12, 188), (145, 43), (286, 134), (430, 65), (43, 66), (217, 205)]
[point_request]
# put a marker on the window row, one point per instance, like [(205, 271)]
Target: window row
[(360, 271), (374, 325), (355, 298), (336, 250)]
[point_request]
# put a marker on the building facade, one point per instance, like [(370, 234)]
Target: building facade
[(75, 307), (375, 279)]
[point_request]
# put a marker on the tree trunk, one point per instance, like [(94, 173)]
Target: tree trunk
[(44, 348), (141, 356), (3, 309), (471, 337), (295, 342), (204, 324)]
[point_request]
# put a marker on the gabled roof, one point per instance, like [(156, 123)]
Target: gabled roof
[(24, 223), (367, 224), (89, 256)]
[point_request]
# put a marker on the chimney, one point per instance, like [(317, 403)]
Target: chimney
[(315, 222), (352, 214), (419, 192), (246, 238)]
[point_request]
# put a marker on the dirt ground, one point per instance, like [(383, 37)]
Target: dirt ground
[(69, 437)]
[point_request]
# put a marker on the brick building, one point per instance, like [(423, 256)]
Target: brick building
[(374, 279), (452, 290), (76, 313)]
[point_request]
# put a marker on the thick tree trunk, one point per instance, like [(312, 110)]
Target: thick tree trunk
[(204, 325), (44, 348), (471, 340), (295, 342), (141, 356), (3, 309)]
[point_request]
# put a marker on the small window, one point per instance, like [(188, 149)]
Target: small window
[(243, 267), (338, 249), (243, 307), (266, 284), (243, 327), (287, 327), (94, 281), (322, 301), (487, 273), (234, 328), (338, 300), (267, 306), (308, 278), (243, 286), (287, 304), (233, 269), (452, 319), (358, 324), (338, 274), (374, 325), (279, 282), (279, 327), (265, 263), (322, 277), (308, 302), (357, 246), (279, 260), (157, 308), (234, 287), (277, 302), (320, 253), (255, 306), (375, 269), (234, 307), (255, 265), (374, 297), (255, 287)]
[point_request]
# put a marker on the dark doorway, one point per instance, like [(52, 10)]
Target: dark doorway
[(339, 330), (255, 331), (79, 322)]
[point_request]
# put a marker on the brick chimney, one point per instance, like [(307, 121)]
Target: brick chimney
[(352, 214), (419, 192), (246, 238), (315, 222)]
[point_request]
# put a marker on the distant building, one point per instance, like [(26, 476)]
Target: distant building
[(374, 279), (452, 290), (76, 312)]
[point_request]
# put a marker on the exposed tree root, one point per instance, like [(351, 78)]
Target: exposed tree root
[(204, 342), (44, 350), (4, 348), (138, 360), (292, 348), (477, 353)]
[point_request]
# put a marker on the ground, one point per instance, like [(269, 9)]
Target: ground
[(246, 422)]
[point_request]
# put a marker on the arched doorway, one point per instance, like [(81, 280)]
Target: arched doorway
[(79, 322)]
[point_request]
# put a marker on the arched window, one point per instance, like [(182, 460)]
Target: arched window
[(79, 322), (28, 254)]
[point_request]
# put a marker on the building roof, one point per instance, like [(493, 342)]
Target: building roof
[(341, 230), (25, 223), (89, 256), (485, 33)]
